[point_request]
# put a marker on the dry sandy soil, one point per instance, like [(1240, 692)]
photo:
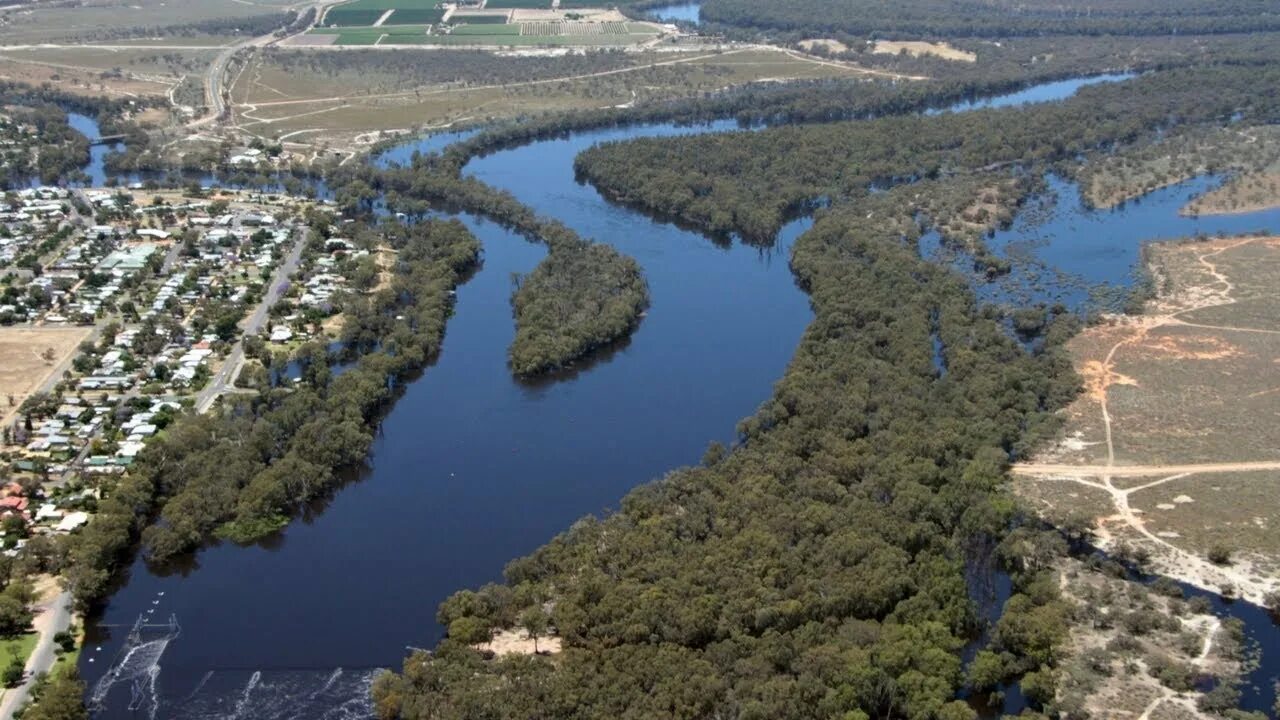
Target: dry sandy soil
[(517, 642), (834, 46), (916, 49), (1174, 445), (23, 367)]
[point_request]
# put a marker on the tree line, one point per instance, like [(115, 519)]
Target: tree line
[(1003, 18)]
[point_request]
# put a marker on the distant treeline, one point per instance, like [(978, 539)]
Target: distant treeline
[(751, 182), (248, 26), (240, 473), (1016, 64), (1000, 18)]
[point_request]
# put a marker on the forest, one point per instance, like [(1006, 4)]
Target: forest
[(1002, 18), (752, 182), (239, 474)]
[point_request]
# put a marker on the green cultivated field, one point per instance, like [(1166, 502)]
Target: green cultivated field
[(352, 18), (385, 5), (398, 34), (415, 16)]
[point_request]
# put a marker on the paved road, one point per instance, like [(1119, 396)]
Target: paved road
[(43, 657), (222, 382), (216, 74)]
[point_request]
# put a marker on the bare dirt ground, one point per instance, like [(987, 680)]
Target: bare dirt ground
[(27, 358), (1174, 445), (917, 49), (518, 642), (834, 46)]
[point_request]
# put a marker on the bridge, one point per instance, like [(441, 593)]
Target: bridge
[(108, 139)]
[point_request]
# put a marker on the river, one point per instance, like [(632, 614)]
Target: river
[(471, 467)]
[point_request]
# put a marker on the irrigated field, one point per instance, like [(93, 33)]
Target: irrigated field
[(1174, 447)]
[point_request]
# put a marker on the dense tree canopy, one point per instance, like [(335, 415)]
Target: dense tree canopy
[(999, 18), (751, 182)]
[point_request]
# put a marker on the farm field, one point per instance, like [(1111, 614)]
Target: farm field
[(363, 13), (1173, 446), (57, 21)]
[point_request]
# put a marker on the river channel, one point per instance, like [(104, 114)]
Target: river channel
[(471, 467)]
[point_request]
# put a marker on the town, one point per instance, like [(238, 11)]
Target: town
[(121, 309)]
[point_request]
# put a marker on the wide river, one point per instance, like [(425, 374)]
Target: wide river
[(472, 468)]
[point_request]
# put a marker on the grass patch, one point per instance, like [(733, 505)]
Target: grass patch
[(20, 646)]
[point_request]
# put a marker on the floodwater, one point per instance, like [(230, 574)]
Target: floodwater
[(1087, 259), (470, 468), (678, 12)]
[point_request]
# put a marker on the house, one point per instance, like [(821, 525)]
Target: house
[(72, 521)]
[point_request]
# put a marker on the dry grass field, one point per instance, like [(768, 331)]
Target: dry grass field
[(299, 103), (1174, 445), (916, 48), (89, 70), (28, 356)]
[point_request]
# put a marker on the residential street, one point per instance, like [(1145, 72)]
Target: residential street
[(50, 620), (222, 381)]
